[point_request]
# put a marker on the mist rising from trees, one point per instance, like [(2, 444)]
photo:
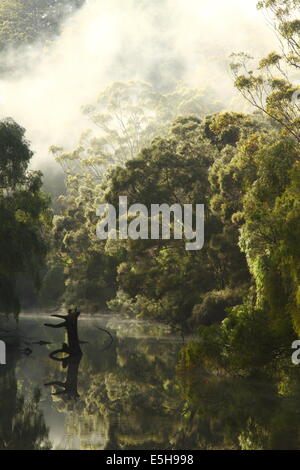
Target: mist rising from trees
[(162, 42)]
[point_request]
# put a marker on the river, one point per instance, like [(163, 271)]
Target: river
[(127, 392), (121, 394)]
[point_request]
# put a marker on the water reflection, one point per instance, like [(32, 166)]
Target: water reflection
[(249, 413), (22, 424), (69, 355), (70, 385), (121, 393)]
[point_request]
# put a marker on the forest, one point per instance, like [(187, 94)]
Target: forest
[(235, 303)]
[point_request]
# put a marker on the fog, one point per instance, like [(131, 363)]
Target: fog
[(160, 41)]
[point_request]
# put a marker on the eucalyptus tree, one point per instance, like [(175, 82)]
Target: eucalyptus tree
[(273, 87), (24, 213)]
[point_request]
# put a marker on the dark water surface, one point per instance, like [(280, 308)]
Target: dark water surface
[(124, 393), (118, 396)]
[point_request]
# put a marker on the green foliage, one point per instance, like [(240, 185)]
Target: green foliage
[(173, 170), (27, 21), (89, 272), (270, 89), (214, 306), (24, 214), (126, 117), (255, 188)]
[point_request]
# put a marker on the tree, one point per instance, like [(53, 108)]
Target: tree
[(24, 213), (271, 89), (255, 187), (174, 169), (23, 22), (124, 119)]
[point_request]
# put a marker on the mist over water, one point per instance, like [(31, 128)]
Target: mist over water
[(160, 41)]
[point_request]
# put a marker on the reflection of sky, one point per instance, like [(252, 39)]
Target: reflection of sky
[(55, 421)]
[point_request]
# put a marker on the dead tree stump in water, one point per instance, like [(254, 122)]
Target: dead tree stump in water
[(70, 322)]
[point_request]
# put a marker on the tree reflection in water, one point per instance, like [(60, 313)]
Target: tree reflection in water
[(128, 396), (124, 397), (22, 424)]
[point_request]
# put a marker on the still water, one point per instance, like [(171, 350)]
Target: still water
[(125, 393), (122, 393)]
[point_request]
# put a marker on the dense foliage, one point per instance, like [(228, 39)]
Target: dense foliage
[(240, 294), (127, 117), (23, 22), (25, 216)]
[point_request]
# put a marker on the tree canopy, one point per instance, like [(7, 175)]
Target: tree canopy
[(25, 215)]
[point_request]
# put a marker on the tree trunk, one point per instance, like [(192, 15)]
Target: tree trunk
[(71, 324)]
